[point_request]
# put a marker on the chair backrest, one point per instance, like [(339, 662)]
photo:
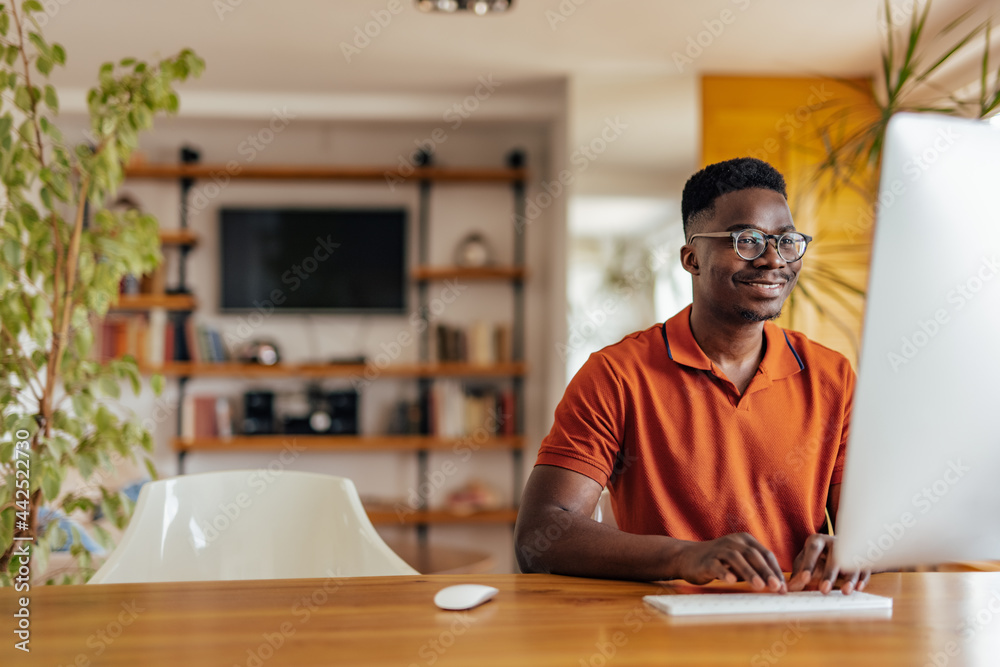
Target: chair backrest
[(603, 513), (249, 524)]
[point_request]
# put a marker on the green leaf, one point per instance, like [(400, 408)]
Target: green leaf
[(146, 440), (104, 421), (4, 23), (12, 54), (51, 99), (156, 381), (39, 42), (32, 6), (59, 54), (85, 465), (133, 377), (103, 537), (22, 99), (61, 446), (7, 521), (51, 482), (105, 74), (110, 386), (12, 254)]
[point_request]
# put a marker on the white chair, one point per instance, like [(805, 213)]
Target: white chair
[(603, 512), (249, 524)]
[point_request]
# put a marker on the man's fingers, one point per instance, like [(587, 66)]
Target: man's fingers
[(806, 563), (830, 573), (850, 582), (799, 580), (865, 576), (739, 565), (769, 569), (777, 576), (764, 563), (723, 573)]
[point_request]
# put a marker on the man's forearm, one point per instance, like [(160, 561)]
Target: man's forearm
[(558, 541)]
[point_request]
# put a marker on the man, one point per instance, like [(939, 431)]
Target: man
[(719, 435)]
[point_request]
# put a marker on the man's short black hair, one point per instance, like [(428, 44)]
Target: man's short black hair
[(715, 180)]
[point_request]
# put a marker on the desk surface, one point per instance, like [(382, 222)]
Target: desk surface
[(535, 620)]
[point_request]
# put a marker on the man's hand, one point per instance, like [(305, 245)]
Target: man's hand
[(814, 568), (731, 558)]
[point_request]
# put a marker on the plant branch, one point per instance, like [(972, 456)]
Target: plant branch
[(57, 273), (59, 337)]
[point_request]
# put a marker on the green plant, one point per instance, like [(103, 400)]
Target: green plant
[(912, 78), (911, 70), (62, 257)]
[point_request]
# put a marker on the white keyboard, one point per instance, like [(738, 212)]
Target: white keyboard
[(766, 603)]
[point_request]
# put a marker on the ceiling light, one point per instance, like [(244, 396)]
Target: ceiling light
[(478, 7)]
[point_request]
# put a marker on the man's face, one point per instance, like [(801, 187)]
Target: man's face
[(729, 286)]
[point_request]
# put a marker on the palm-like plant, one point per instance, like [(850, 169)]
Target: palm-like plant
[(909, 81), (911, 78)]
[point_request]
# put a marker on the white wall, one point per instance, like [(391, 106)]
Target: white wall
[(455, 210)]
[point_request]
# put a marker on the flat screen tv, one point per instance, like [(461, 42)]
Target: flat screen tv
[(346, 260)]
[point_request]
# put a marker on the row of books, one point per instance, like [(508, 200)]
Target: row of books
[(206, 417), (119, 335), (454, 410), (157, 338), (480, 343)]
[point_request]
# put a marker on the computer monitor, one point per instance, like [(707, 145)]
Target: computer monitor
[(922, 478)]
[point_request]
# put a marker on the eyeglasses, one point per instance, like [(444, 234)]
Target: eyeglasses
[(751, 243)]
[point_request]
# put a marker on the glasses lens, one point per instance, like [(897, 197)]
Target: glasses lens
[(792, 246), (750, 244)]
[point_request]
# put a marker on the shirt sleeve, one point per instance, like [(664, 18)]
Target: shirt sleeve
[(838, 466), (587, 432)]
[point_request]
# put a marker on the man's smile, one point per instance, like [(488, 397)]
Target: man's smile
[(764, 286)]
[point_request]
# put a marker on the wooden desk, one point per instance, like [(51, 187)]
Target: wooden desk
[(536, 620)]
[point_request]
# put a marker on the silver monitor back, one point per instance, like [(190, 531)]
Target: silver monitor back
[(922, 477)]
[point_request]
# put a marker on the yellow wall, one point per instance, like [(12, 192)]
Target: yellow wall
[(782, 121)]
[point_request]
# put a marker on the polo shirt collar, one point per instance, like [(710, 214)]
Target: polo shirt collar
[(780, 360)]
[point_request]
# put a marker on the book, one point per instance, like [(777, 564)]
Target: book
[(199, 417), (191, 339), (223, 417), (156, 340), (481, 343)]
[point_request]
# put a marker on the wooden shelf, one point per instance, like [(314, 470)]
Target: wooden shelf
[(428, 273), (179, 237), (147, 301), (326, 173), (389, 515), (433, 559), (240, 370), (361, 443)]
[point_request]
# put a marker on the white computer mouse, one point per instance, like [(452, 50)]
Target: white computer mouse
[(464, 596)]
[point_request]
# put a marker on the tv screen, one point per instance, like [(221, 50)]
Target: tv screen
[(346, 260)]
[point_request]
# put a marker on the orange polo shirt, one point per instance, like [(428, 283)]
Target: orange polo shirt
[(684, 454)]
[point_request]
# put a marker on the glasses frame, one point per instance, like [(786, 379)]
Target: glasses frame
[(767, 239)]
